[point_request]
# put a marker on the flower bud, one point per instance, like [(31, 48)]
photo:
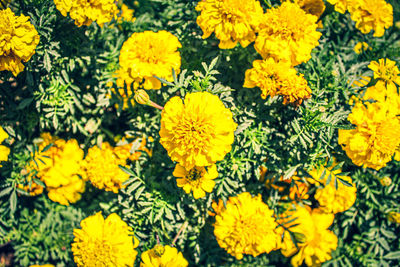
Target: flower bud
[(141, 97)]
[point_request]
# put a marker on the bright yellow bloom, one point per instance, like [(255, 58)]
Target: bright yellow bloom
[(198, 179), (104, 242), (18, 41), (376, 137), (126, 14), (58, 167), (44, 265), (363, 81), (196, 132), (394, 217), (385, 70), (313, 7), (101, 166), (361, 47), (332, 200), (84, 12), (4, 151), (277, 78), (145, 55), (340, 5), (232, 21), (287, 33), (246, 226), (316, 242), (160, 256), (371, 15)]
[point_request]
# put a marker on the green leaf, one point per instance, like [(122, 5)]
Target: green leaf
[(392, 255), (13, 201), (289, 173)]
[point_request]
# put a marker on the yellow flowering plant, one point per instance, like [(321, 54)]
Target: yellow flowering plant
[(135, 135)]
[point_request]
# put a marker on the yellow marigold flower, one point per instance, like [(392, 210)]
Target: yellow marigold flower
[(246, 226), (277, 78), (44, 265), (313, 7), (287, 33), (361, 47), (371, 15), (58, 167), (197, 132), (340, 5), (101, 167), (163, 256), (198, 179), (104, 242), (394, 217), (376, 137), (126, 14), (18, 41), (332, 200), (385, 70), (145, 55), (4, 151), (317, 242), (232, 21), (84, 12)]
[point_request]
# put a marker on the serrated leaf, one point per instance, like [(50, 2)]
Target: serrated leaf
[(392, 255)]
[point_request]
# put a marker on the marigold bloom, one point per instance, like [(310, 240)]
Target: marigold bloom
[(371, 15), (330, 198), (84, 12), (246, 226), (196, 132), (340, 5), (232, 21), (394, 217), (18, 41), (287, 33), (277, 78), (385, 70), (376, 137), (4, 151), (101, 166), (163, 256), (317, 242), (145, 55), (58, 167), (361, 47), (126, 14), (198, 179), (104, 242)]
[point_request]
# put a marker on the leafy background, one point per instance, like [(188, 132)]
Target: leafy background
[(63, 90)]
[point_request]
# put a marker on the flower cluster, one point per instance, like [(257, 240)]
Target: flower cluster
[(18, 41), (84, 12), (145, 55), (163, 256), (104, 242), (232, 21), (376, 15), (376, 138), (314, 242), (246, 225), (57, 164), (287, 33), (101, 165), (196, 133), (277, 78), (4, 151)]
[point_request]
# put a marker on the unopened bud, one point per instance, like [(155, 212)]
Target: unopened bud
[(141, 97), (386, 181)]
